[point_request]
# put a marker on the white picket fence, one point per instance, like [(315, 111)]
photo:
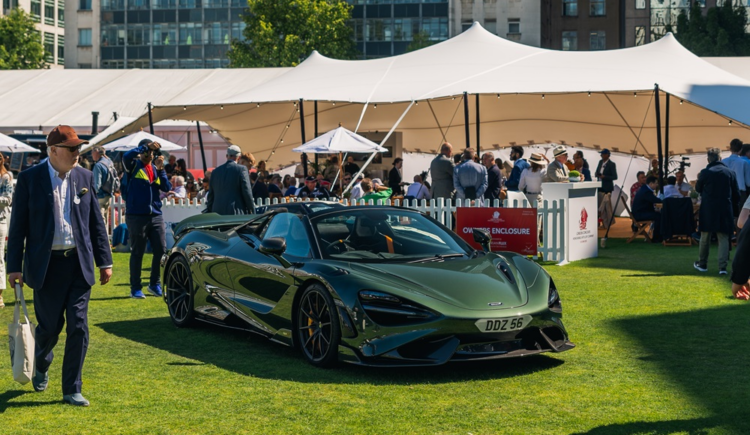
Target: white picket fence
[(552, 215)]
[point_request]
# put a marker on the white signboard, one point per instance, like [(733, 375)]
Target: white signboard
[(582, 228)]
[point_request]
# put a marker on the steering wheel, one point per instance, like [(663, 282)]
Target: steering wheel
[(346, 243)]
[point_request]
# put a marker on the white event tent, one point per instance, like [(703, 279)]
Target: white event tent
[(525, 95)]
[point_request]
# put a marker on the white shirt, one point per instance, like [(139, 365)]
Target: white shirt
[(418, 191), (62, 193), (357, 191), (532, 181), (672, 192), (180, 192)]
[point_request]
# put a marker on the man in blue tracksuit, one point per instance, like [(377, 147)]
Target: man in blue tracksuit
[(145, 168)]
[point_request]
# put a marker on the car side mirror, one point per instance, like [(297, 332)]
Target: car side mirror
[(482, 237), (273, 246)]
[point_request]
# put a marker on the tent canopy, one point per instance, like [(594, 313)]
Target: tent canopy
[(527, 95), (48, 97), (339, 140), (132, 140)]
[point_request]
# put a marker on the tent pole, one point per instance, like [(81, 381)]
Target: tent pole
[(466, 119), (479, 151), (666, 137), (203, 152), (372, 156), (316, 127), (150, 119), (302, 131), (657, 107)]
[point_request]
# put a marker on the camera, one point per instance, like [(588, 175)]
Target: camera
[(157, 153), (684, 163)]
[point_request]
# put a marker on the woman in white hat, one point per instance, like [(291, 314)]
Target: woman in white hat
[(531, 184), (531, 179)]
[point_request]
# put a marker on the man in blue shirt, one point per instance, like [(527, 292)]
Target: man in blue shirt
[(516, 152), (145, 166), (741, 168), (469, 178)]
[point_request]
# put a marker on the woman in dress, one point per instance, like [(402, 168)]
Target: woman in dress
[(6, 196), (531, 184), (262, 170)]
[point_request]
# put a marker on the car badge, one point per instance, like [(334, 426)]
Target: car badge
[(495, 304)]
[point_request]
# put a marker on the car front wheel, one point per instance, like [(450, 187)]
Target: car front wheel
[(318, 329), (179, 289)]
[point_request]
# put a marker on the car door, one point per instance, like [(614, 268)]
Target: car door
[(264, 285)]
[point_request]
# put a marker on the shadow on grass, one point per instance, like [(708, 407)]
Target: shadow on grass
[(252, 355), (705, 353), (695, 426), (6, 397)]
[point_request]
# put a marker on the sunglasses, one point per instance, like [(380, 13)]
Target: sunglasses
[(70, 149)]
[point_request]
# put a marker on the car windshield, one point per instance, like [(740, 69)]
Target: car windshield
[(365, 235)]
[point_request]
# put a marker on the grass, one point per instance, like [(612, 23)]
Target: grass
[(661, 349)]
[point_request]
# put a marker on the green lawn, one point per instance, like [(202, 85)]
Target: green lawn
[(661, 349)]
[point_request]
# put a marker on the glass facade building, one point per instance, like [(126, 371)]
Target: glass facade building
[(386, 27), (169, 33)]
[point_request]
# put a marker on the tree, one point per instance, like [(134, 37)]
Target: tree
[(419, 40), (282, 33), (721, 32), (20, 43)]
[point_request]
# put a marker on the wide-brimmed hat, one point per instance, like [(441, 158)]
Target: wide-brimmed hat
[(65, 136), (536, 158), (559, 150)]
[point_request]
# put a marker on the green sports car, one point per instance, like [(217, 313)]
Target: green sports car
[(377, 286)]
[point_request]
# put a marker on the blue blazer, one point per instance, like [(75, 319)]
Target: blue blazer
[(32, 226), (643, 203)]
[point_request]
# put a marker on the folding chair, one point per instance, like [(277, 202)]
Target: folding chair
[(641, 227)]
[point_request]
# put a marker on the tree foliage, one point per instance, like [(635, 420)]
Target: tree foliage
[(282, 33), (20, 43), (721, 32), (419, 40)]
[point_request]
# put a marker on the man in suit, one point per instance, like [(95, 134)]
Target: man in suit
[(147, 178), (643, 206), (441, 169), (720, 195), (56, 235), (557, 172), (606, 172), (494, 178), (230, 187)]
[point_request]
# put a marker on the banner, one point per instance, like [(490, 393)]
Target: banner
[(512, 229)]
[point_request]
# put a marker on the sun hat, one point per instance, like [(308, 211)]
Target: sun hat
[(536, 158), (559, 150)]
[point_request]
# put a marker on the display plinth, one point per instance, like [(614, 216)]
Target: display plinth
[(581, 217)]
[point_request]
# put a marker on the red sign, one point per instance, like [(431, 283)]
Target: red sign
[(512, 229)]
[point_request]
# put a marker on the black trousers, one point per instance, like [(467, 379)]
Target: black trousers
[(141, 229), (64, 295), (652, 216)]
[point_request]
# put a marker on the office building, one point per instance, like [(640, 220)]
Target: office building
[(153, 33)]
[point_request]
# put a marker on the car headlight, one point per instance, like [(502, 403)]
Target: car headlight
[(553, 298), (389, 310)]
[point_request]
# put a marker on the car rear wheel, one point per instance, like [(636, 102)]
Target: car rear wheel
[(318, 329), (179, 288)]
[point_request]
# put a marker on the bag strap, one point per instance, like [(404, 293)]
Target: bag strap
[(20, 298)]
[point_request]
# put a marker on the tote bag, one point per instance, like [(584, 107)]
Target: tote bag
[(21, 341)]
